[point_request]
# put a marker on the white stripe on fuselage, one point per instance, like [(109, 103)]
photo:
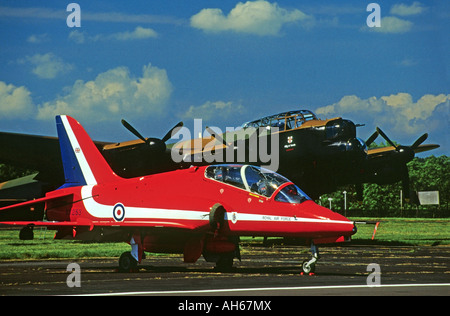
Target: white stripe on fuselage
[(281, 218), (102, 211)]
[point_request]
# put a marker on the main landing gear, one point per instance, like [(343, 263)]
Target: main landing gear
[(129, 260), (309, 266), (127, 263)]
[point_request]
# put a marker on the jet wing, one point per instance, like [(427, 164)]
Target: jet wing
[(86, 222), (150, 224), (36, 201)]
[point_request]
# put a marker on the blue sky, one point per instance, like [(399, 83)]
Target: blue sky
[(155, 63)]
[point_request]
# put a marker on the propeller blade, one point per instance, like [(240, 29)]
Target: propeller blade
[(419, 141), (216, 136), (422, 148), (359, 191), (133, 130), (371, 138), (405, 183), (169, 133), (382, 134)]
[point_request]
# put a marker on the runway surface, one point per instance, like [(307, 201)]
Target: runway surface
[(263, 271)]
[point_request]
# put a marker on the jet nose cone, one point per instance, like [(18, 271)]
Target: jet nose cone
[(355, 229), (336, 222), (348, 227)]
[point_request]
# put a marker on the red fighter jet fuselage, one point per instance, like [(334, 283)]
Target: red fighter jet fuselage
[(195, 211)]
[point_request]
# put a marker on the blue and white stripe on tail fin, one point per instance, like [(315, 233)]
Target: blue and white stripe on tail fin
[(83, 163)]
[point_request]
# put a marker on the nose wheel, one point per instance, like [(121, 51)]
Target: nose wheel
[(309, 266)]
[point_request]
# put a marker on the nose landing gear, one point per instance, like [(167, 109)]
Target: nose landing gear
[(309, 266)]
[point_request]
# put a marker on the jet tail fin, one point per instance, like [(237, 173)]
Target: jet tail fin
[(83, 163)]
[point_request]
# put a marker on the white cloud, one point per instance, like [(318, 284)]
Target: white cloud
[(406, 10), (408, 62), (47, 66), (120, 17), (391, 24), (395, 25), (253, 17), (397, 112), (410, 110), (15, 102), (139, 33), (38, 38), (36, 13), (112, 95), (209, 110), (108, 17), (77, 36)]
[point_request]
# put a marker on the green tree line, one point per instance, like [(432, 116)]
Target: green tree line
[(426, 174)]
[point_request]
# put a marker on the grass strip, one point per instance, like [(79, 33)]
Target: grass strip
[(412, 232)]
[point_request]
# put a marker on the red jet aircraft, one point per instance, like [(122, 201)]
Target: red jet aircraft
[(195, 211)]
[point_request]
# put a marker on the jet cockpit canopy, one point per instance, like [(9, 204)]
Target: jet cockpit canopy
[(257, 180)]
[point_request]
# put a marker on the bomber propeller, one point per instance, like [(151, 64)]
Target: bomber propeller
[(408, 151), (405, 154), (155, 143)]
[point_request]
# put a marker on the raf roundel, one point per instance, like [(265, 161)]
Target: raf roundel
[(119, 212)]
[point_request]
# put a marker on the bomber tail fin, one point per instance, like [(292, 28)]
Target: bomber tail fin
[(83, 163)]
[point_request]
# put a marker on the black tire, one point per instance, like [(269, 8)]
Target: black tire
[(127, 263), (26, 233), (225, 263), (216, 216)]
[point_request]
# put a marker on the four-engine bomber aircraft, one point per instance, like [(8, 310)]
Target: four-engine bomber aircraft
[(194, 211), (321, 155), (317, 155)]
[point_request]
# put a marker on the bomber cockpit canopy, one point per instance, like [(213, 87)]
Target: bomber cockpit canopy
[(284, 121), (257, 180)]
